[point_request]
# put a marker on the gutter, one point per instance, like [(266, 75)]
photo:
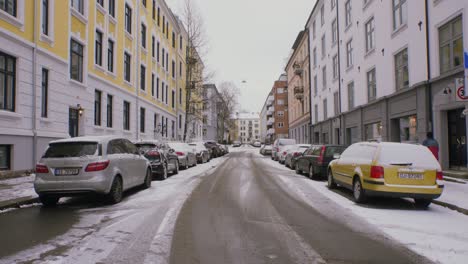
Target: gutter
[(310, 89), (34, 90), (339, 74), (428, 63), (138, 77)]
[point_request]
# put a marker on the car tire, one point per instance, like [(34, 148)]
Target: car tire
[(422, 203), (298, 171), (164, 174), (116, 192), (176, 170), (49, 200), (148, 179), (330, 181), (187, 164), (358, 192), (311, 173)]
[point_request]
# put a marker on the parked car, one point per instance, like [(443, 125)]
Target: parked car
[(293, 153), (257, 144), (236, 144), (278, 146), (215, 149), (225, 149), (266, 150), (158, 162), (202, 152), (82, 165), (388, 169), (284, 151), (314, 161), (185, 153), (171, 159)]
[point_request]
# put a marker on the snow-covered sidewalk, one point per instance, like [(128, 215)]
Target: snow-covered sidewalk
[(13, 189), (455, 194)]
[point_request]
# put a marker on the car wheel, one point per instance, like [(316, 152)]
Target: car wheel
[(164, 175), (49, 200), (116, 191), (176, 170), (422, 203), (330, 181), (298, 171), (358, 192), (311, 172), (148, 179), (187, 164)]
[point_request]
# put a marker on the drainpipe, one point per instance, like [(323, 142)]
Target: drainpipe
[(339, 72), (34, 110), (137, 70), (428, 62), (310, 89)]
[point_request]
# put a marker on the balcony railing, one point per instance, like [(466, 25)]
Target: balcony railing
[(299, 92), (271, 121), (271, 131)]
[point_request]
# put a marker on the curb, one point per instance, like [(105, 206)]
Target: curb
[(17, 203), (451, 206)]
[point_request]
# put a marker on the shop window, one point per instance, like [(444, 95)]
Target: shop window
[(5, 157), (373, 131), (408, 129)]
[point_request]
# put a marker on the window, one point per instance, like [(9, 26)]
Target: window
[(110, 55), (332, 4), (324, 78), (316, 113), (180, 96), (97, 107), (173, 99), (167, 93), (350, 95), (143, 2), (110, 100), (335, 66), (280, 90), (128, 19), (142, 77), (336, 103), (371, 85), (126, 115), (157, 87), (370, 35), (173, 39), (349, 53), (401, 70), (162, 90), (143, 36), (44, 92), (167, 29), (180, 69), (280, 124), (45, 17), (76, 61), (323, 46), (173, 69), (127, 66), (98, 49), (325, 108), (315, 57), (164, 25), (348, 13), (7, 82), (152, 84), (111, 8), (163, 56), (142, 119), (167, 61), (181, 41), (180, 121), (9, 6), (153, 51), (100, 2), (322, 14), (315, 85), (172, 128), (313, 30), (157, 51), (399, 13), (451, 45), (280, 113), (334, 32), (78, 5), (153, 10), (159, 17)]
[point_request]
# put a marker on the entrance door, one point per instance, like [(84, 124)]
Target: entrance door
[(73, 118), (457, 138)]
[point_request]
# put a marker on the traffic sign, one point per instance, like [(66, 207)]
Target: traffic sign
[(460, 90)]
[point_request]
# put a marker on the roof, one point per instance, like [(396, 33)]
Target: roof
[(85, 139)]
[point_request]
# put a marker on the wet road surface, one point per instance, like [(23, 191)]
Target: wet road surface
[(243, 214)]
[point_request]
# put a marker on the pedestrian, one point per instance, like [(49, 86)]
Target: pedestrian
[(432, 144)]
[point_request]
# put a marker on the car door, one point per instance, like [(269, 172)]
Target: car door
[(139, 163), (304, 161), (131, 163)]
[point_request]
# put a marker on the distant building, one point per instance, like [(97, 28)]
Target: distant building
[(214, 125), (248, 125), (280, 117)]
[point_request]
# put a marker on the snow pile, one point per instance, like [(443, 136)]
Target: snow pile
[(17, 188)]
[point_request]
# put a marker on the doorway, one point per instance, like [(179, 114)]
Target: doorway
[(73, 119), (457, 138)]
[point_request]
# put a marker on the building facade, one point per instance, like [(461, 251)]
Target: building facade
[(248, 125), (270, 118), (297, 71), (280, 118), (215, 125), (82, 67), (264, 120), (384, 70)]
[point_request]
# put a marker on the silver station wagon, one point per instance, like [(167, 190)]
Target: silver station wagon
[(105, 165)]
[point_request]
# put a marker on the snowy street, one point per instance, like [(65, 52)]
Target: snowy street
[(242, 208)]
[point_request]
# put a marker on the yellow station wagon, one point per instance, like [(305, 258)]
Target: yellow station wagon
[(388, 169)]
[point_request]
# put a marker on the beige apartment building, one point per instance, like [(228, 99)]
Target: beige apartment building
[(297, 71)]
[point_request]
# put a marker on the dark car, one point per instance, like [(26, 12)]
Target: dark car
[(163, 149), (314, 161), (216, 151), (266, 150), (158, 163), (236, 144)]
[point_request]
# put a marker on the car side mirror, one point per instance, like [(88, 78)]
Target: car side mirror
[(141, 152), (336, 156)]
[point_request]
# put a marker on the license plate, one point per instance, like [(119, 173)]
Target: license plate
[(411, 176), (66, 172)]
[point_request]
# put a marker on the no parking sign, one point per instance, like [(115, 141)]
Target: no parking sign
[(460, 90)]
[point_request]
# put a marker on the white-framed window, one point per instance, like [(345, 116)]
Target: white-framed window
[(314, 31), (322, 14), (451, 45), (98, 48), (348, 17), (128, 18), (127, 66), (78, 5), (325, 109), (76, 60), (323, 46), (336, 103), (143, 77), (314, 56), (334, 32), (316, 113), (324, 78), (280, 90), (401, 70), (315, 85), (143, 35), (370, 35), (350, 95), (371, 85), (280, 102), (335, 66), (349, 53), (400, 15)]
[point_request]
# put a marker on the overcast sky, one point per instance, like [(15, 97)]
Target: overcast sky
[(250, 40)]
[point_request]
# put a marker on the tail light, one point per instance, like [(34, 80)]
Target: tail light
[(178, 153), (377, 172), (440, 175), (322, 154), (296, 154), (153, 153), (97, 166), (41, 168), (284, 153)]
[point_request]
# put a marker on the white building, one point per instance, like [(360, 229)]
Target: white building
[(369, 71), (264, 120), (248, 125)]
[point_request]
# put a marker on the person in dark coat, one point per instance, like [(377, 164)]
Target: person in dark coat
[(432, 144)]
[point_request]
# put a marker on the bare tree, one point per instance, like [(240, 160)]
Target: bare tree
[(229, 93)]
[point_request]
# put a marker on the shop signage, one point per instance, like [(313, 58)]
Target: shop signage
[(460, 90)]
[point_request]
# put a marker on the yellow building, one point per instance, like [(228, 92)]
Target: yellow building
[(82, 67)]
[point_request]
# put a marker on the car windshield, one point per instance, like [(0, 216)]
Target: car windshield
[(414, 155), (71, 149), (153, 156), (285, 142), (332, 150), (145, 146)]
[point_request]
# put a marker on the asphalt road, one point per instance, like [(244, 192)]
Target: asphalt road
[(242, 214)]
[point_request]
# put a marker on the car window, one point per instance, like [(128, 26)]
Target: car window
[(71, 149), (349, 151), (332, 150), (130, 147), (407, 153), (316, 151), (367, 152)]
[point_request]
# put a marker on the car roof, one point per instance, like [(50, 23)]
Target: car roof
[(86, 139), (147, 142)]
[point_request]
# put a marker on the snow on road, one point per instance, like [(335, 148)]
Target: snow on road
[(438, 233)]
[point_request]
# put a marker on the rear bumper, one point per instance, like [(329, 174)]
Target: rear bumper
[(73, 187), (157, 168), (376, 188)]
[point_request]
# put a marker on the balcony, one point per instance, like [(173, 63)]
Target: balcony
[(271, 111), (271, 131), (271, 121), (270, 100), (299, 92), (298, 70)]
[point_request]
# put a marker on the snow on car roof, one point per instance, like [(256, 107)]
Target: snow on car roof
[(85, 139)]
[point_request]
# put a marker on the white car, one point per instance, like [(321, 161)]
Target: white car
[(106, 165), (278, 146), (186, 154)]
